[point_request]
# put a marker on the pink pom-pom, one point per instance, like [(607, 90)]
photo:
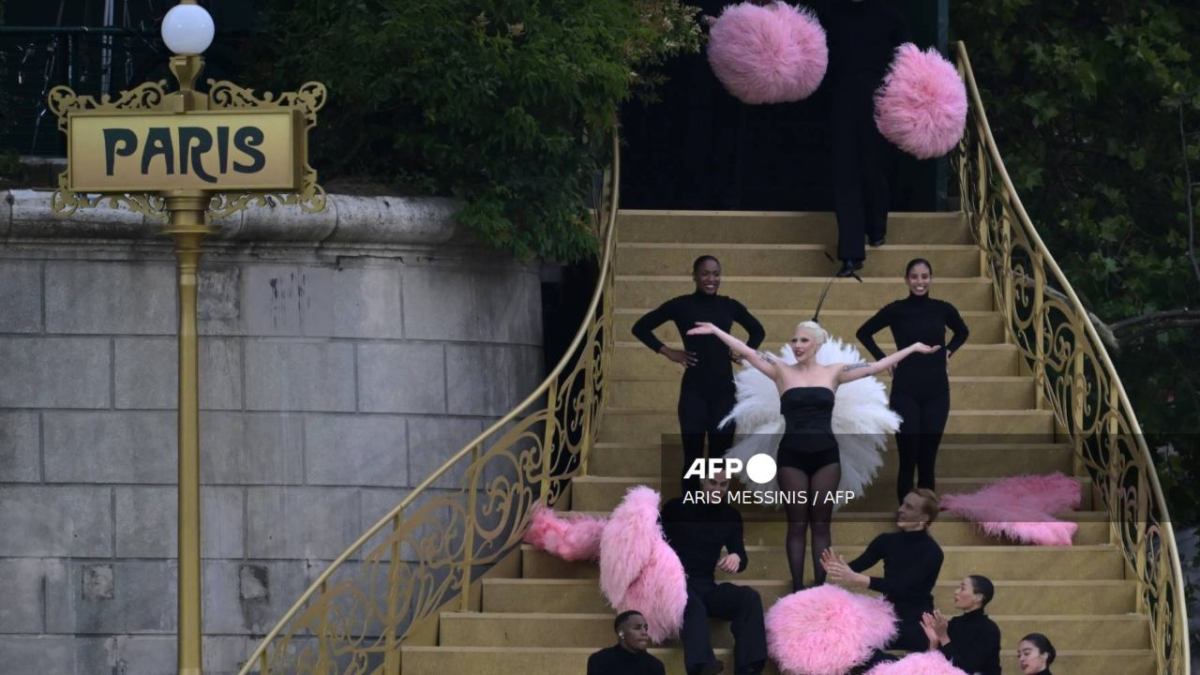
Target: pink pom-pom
[(827, 630), (570, 536), (924, 663), (1022, 508), (770, 54), (638, 569), (922, 105)]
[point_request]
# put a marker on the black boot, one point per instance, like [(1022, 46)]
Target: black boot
[(849, 267)]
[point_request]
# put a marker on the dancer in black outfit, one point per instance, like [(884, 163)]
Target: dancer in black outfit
[(628, 656), (911, 563), (1035, 654), (862, 36), (697, 530), (808, 456), (972, 640), (921, 385), (707, 392)]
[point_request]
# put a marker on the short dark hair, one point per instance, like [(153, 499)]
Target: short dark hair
[(623, 617), (1043, 644), (982, 586), (917, 261), (700, 261)]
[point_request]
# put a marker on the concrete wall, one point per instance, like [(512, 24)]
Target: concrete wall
[(344, 357)]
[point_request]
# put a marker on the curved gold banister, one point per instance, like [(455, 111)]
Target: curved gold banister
[(1076, 377), (423, 553)]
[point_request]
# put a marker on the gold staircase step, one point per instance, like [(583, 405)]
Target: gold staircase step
[(634, 361), (967, 294), (958, 459), (543, 661), (967, 392), (857, 529), (1037, 597), (551, 630), (603, 493), (948, 260), (997, 562), (649, 426), (780, 227)]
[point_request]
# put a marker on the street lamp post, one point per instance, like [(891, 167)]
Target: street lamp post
[(187, 155)]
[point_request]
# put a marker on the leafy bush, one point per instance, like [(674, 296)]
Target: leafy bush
[(503, 103)]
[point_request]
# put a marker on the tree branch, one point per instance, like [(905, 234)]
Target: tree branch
[(1155, 322)]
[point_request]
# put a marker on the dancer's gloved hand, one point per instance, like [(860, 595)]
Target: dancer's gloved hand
[(730, 563), (685, 359)]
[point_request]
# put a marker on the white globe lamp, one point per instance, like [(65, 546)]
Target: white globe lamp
[(187, 29)]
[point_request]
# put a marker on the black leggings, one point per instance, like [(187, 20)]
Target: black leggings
[(924, 422), (699, 413), (860, 168), (802, 516)]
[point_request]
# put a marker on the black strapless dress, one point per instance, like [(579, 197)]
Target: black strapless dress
[(808, 442)]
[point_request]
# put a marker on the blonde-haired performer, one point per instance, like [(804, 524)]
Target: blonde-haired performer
[(808, 458)]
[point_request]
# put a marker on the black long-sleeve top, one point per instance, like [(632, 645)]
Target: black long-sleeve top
[(698, 531), (911, 563), (974, 643), (713, 369), (862, 38), (917, 318), (616, 660)]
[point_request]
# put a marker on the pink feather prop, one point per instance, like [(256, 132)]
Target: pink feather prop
[(770, 54), (922, 105), (923, 663), (827, 630), (1022, 508), (570, 536), (638, 569)]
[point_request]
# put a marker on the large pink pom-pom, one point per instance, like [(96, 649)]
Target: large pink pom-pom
[(925, 663), (570, 536), (827, 630), (922, 105), (770, 54)]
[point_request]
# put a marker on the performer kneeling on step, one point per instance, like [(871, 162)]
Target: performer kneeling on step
[(697, 531), (972, 640), (911, 563)]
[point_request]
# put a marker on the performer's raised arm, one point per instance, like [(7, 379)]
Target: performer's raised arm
[(855, 371), (761, 362)]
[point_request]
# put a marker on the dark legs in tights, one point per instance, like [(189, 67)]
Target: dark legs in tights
[(802, 517)]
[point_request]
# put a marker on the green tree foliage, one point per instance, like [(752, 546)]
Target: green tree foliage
[(1095, 107), (502, 103)]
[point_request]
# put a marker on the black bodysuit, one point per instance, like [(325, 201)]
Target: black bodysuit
[(707, 392), (974, 643), (808, 442), (911, 564), (617, 660), (921, 387)]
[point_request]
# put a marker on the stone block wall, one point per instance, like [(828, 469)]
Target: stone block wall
[(344, 357)]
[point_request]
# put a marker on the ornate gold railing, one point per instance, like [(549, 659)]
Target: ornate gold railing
[(1075, 378), (464, 517)]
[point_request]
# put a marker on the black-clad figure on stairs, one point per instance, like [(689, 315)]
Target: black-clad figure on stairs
[(911, 561), (862, 36), (921, 385), (629, 655), (707, 392), (697, 530)]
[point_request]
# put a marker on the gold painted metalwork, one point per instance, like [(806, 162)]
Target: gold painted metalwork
[(1076, 379), (424, 554), (188, 205)]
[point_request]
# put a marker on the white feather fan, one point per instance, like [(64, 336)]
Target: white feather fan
[(861, 421)]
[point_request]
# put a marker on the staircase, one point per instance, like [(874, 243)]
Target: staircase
[(541, 616)]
